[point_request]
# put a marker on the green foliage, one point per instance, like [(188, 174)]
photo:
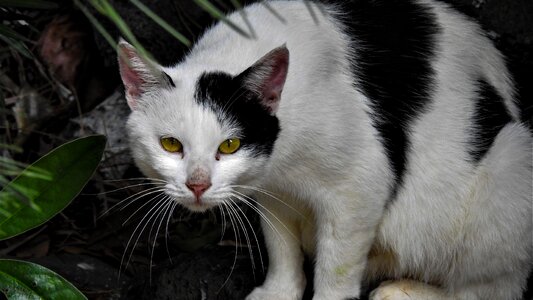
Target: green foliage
[(25, 280), (35, 196), (106, 9), (41, 191)]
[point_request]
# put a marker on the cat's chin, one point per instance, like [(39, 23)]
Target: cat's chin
[(199, 206)]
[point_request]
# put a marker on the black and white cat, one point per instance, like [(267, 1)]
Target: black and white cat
[(386, 129)]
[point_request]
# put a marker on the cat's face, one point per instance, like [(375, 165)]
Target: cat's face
[(203, 136)]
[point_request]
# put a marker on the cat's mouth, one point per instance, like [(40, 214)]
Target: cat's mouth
[(193, 204)]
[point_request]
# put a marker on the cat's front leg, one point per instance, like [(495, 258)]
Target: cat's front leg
[(285, 278), (345, 233)]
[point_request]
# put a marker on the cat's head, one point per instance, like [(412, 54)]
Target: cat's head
[(203, 133)]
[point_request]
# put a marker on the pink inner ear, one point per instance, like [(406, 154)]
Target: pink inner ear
[(273, 84), (130, 77)]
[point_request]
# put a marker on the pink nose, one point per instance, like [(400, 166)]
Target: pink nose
[(198, 188)]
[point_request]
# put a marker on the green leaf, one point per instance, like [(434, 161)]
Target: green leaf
[(35, 4), (70, 166), (25, 280)]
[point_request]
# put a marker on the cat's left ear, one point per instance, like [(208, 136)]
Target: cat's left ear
[(267, 77), (139, 74)]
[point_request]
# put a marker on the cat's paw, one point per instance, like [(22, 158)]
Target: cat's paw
[(388, 290), (260, 293), (406, 290)]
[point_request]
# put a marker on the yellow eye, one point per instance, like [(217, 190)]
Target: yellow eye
[(171, 144), (229, 146)]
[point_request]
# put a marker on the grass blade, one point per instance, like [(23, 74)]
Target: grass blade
[(104, 7), (161, 22), (19, 46), (216, 13), (96, 24), (12, 34)]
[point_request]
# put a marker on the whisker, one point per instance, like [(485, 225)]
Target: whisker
[(225, 205), (123, 188), (245, 231), (150, 213), (233, 225), (247, 200), (133, 179), (270, 194), (252, 200), (223, 231), (258, 211), (138, 209), (153, 214), (166, 230), (254, 235), (137, 196), (164, 211), (159, 213)]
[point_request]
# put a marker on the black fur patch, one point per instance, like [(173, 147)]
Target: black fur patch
[(489, 118), (394, 42), (229, 99)]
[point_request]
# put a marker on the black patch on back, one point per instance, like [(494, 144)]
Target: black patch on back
[(490, 117), (394, 46), (228, 98)]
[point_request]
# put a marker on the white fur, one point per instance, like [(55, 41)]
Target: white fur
[(464, 228)]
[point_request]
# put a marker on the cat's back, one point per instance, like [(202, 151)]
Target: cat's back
[(402, 56)]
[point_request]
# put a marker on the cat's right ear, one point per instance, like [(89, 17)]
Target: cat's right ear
[(267, 77), (139, 74)]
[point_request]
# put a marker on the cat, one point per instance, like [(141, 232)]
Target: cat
[(380, 137)]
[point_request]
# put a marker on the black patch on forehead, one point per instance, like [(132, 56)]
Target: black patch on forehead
[(232, 102)]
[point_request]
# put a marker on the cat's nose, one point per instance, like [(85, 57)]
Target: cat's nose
[(198, 188)]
